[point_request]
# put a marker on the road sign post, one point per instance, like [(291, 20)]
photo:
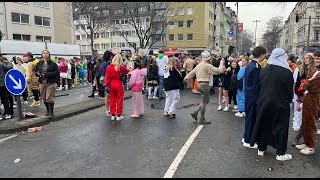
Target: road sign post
[(15, 83)]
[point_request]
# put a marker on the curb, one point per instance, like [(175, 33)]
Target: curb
[(60, 114)]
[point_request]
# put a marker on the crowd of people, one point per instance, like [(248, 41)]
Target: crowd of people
[(262, 88)]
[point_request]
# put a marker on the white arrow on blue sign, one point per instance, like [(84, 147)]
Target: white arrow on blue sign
[(230, 33), (15, 82)]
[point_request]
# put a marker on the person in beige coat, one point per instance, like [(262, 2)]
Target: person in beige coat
[(203, 71), (32, 79), (188, 66)]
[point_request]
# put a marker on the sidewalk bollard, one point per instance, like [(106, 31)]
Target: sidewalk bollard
[(19, 107)]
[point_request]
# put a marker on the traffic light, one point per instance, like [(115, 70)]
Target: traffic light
[(297, 17)]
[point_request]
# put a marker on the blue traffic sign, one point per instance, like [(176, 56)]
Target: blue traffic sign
[(15, 82), (230, 33)]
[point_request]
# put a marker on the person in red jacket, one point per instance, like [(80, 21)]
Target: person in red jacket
[(114, 82), (63, 69)]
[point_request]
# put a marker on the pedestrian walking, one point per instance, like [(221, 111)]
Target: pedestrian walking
[(188, 66), (48, 73), (241, 88), (252, 90), (202, 71), (153, 78), (273, 114), (161, 61), (32, 79), (173, 82), (107, 57), (82, 72), (311, 108), (136, 84), (5, 66), (113, 80)]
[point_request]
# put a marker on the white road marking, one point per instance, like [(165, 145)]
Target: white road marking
[(9, 137), (174, 165)]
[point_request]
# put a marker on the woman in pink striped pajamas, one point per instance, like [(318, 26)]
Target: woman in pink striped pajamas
[(136, 84)]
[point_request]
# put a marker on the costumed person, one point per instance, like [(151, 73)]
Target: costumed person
[(48, 73), (32, 79), (136, 84), (308, 66), (5, 66), (195, 84), (252, 90), (107, 57), (161, 61), (188, 66), (173, 82), (153, 78), (22, 68), (273, 114), (82, 72), (63, 69), (113, 80), (203, 71), (241, 87), (310, 108), (297, 116)]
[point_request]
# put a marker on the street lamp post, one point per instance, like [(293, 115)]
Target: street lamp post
[(255, 33)]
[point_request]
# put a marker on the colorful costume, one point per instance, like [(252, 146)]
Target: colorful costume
[(240, 92), (82, 70)]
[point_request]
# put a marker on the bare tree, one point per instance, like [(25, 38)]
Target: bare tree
[(92, 17), (271, 37), (246, 41), (148, 19)]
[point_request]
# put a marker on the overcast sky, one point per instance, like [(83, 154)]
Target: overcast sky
[(261, 11)]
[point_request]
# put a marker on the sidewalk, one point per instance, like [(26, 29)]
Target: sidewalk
[(67, 103)]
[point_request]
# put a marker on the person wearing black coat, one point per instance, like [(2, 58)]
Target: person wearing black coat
[(48, 73), (232, 75), (153, 78), (173, 82)]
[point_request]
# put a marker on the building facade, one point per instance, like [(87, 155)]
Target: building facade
[(35, 21)]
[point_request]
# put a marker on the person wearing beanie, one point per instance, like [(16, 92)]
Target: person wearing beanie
[(136, 83), (202, 71), (107, 57)]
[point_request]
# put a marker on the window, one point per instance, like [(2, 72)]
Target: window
[(83, 47), (318, 17), (77, 26), (118, 44), (96, 46), (180, 24), (114, 45), (20, 18), (171, 37), (43, 39), (214, 28), (77, 37), (41, 4), (180, 37), (107, 34), (190, 23), (96, 35), (147, 19), (103, 35), (189, 37), (104, 46), (21, 37), (190, 11), (209, 26), (210, 14), (180, 11), (171, 12), (123, 44), (316, 35), (122, 21), (83, 37), (171, 24), (117, 21), (41, 21)]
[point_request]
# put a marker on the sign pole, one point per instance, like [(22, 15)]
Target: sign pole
[(19, 107)]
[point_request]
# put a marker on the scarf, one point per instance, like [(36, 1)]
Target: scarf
[(160, 55)]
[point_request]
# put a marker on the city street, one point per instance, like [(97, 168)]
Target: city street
[(90, 145)]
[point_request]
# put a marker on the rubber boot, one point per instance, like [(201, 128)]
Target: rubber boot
[(298, 137), (51, 106), (194, 115), (204, 121), (47, 107)]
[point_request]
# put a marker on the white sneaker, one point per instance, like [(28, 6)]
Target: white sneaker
[(318, 131), (96, 94), (300, 146), (119, 118), (307, 151), (101, 98), (14, 106), (166, 114), (108, 113), (244, 114), (149, 97), (260, 153), (248, 145), (135, 116), (59, 89), (155, 97), (8, 116), (25, 102), (297, 129), (283, 157), (235, 107), (219, 108), (226, 109), (239, 114), (113, 118)]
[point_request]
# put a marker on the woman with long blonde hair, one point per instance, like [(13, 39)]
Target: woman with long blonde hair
[(172, 83), (113, 81)]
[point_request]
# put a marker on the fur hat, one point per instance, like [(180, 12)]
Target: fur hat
[(205, 56)]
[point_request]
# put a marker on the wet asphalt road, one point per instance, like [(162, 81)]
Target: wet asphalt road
[(90, 145)]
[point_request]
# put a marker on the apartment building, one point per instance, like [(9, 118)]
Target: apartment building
[(35, 21), (294, 35)]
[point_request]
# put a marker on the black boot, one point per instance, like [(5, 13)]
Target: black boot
[(203, 121), (47, 107), (51, 107), (194, 115)]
